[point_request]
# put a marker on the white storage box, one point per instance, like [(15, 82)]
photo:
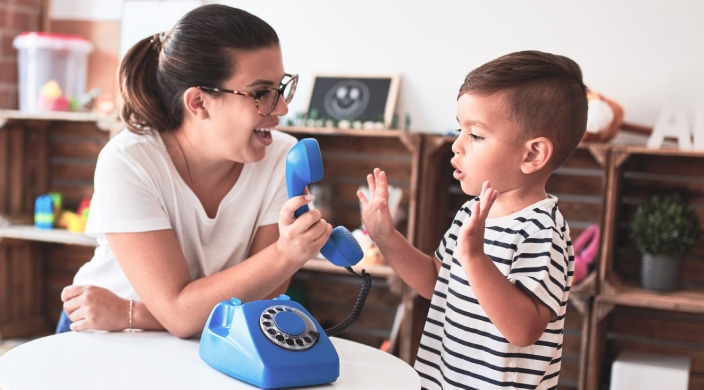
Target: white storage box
[(638, 370), (52, 70)]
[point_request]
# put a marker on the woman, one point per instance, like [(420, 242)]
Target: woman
[(190, 204)]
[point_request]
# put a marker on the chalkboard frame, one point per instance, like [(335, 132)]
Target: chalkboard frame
[(382, 95)]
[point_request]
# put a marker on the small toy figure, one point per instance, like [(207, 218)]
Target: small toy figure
[(604, 118), (51, 98), (44, 212)]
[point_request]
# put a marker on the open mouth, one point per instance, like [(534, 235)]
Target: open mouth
[(264, 133)]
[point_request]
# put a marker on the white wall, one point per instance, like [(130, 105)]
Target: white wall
[(642, 53)]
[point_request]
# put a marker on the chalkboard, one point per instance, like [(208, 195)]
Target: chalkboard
[(354, 98)]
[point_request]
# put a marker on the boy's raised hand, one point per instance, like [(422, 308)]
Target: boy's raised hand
[(376, 215), (470, 242)]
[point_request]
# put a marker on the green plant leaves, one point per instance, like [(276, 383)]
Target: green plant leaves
[(665, 225)]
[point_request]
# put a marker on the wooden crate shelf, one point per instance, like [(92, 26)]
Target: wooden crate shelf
[(618, 327), (40, 153), (655, 322)]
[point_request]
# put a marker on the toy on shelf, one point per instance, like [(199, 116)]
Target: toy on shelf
[(51, 98), (44, 212), (586, 246), (48, 213), (604, 118)]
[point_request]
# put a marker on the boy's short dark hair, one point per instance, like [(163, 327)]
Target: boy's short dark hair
[(544, 94)]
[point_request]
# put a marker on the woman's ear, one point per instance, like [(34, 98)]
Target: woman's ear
[(537, 155), (195, 102)]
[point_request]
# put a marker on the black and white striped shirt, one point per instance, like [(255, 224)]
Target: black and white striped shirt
[(460, 347)]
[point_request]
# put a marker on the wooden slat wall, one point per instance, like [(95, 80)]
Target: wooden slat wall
[(60, 265), (21, 290), (655, 331), (22, 177), (23, 168), (37, 157), (642, 176), (73, 148)]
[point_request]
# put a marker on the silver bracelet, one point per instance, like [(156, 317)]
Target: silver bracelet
[(131, 305)]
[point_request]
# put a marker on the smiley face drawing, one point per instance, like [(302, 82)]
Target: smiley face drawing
[(347, 99)]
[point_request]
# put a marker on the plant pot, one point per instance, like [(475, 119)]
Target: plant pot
[(660, 273)]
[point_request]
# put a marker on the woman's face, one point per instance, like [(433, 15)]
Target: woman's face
[(235, 129)]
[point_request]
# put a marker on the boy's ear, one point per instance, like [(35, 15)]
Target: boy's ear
[(195, 102), (537, 155)]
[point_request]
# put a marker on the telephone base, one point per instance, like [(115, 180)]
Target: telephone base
[(270, 344)]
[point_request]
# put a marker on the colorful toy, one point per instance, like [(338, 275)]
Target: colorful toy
[(48, 213), (72, 222), (586, 247), (44, 212), (84, 208), (604, 118), (51, 98), (58, 201)]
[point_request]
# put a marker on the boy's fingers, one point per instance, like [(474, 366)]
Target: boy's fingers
[(362, 198)]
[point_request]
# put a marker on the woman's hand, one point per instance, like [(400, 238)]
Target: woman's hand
[(96, 308), (300, 238)]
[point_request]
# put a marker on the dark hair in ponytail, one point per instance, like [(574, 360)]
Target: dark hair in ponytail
[(156, 71)]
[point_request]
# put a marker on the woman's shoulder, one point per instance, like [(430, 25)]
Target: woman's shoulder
[(125, 139), (126, 142), (129, 148)]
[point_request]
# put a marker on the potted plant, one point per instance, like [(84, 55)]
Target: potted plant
[(664, 229)]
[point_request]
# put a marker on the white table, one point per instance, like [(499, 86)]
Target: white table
[(158, 360)]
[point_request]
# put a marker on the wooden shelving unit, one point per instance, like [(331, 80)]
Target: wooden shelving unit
[(661, 322), (42, 152), (600, 184)]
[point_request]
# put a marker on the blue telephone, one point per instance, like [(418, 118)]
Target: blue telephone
[(270, 344), (277, 343)]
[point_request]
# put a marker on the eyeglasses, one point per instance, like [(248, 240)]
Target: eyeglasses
[(266, 99)]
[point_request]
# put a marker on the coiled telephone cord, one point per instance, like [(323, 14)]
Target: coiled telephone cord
[(358, 305)]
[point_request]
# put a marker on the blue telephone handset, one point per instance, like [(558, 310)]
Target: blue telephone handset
[(277, 343), (304, 166)]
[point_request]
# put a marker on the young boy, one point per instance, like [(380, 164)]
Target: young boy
[(501, 275)]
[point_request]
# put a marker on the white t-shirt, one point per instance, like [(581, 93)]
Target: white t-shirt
[(137, 189)]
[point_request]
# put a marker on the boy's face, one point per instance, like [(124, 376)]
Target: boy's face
[(488, 146)]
